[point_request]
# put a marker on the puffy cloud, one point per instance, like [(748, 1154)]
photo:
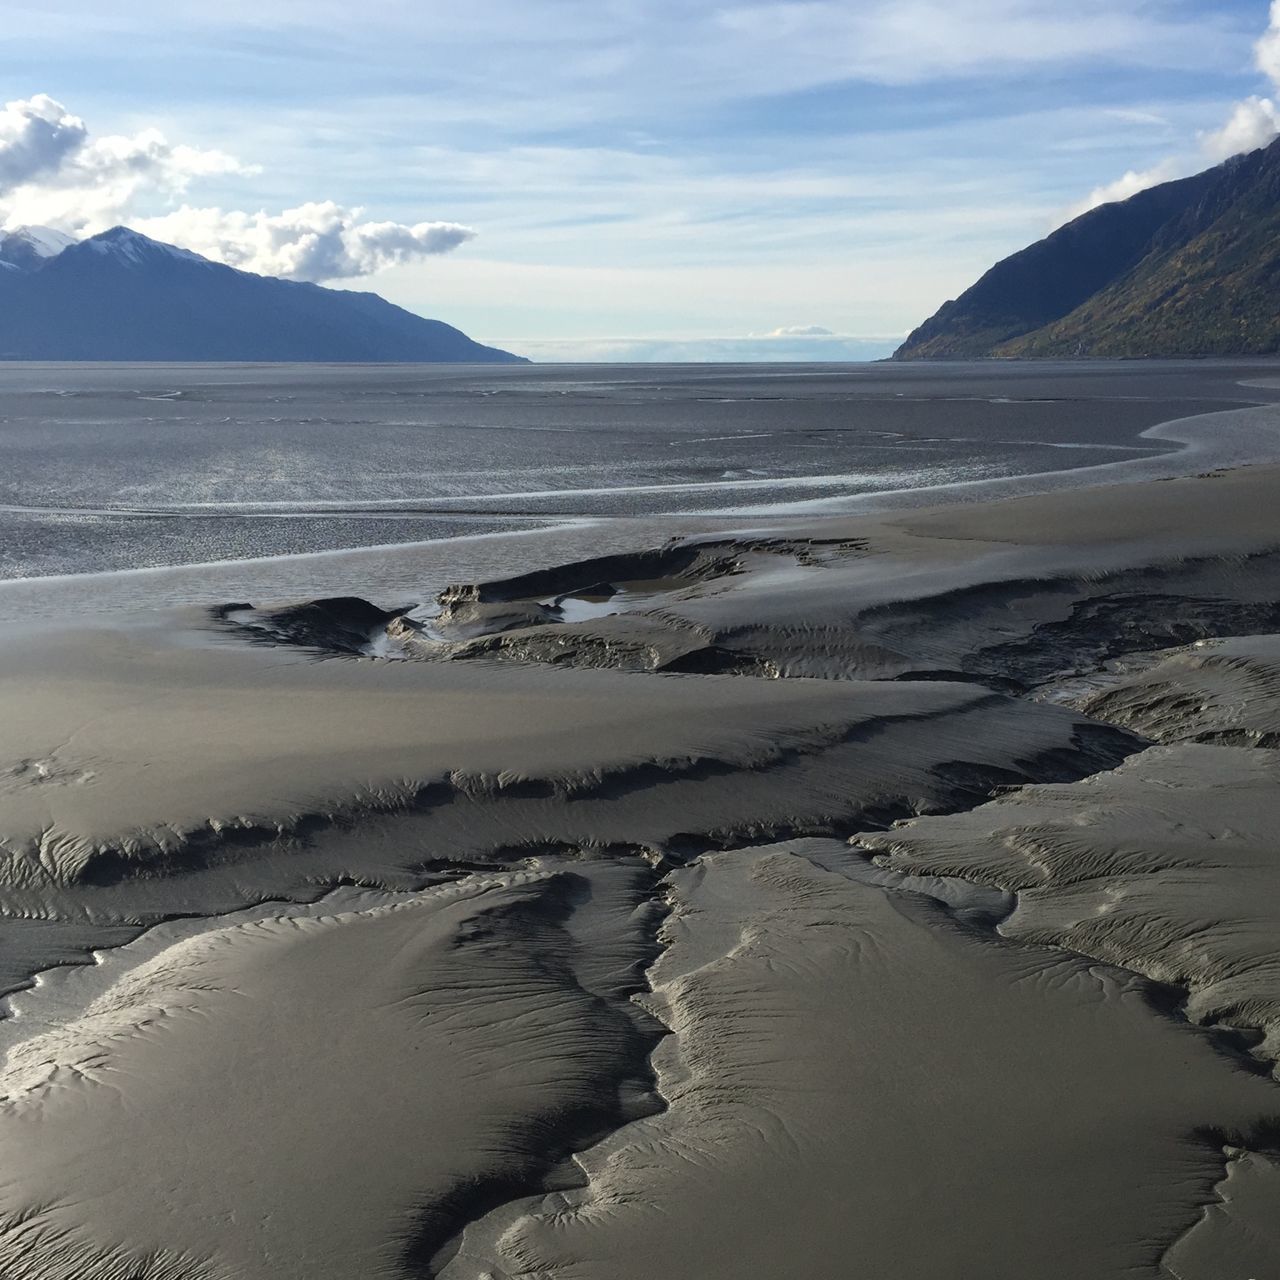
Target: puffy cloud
[(53, 173), (316, 241), (1267, 50), (36, 137), (1128, 184), (801, 331), (1254, 123)]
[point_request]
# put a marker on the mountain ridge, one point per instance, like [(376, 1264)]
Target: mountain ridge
[(120, 295), (1186, 268)]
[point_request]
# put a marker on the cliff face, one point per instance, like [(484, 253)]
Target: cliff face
[(1186, 268)]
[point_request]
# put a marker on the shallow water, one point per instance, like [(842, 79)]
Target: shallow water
[(127, 467)]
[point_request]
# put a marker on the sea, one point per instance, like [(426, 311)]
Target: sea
[(132, 484)]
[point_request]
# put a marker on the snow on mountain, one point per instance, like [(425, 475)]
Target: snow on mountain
[(26, 248), (127, 245), (45, 241), (29, 248)]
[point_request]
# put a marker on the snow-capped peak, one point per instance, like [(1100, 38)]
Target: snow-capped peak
[(45, 242), (125, 244), (26, 248)]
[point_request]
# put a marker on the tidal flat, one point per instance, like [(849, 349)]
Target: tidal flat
[(881, 893)]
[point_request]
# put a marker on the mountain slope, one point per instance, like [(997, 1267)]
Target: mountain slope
[(26, 248), (123, 296), (1186, 268)]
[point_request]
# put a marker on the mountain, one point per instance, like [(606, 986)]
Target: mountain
[(27, 248), (123, 296), (1187, 268)]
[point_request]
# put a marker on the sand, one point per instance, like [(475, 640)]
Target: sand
[(322, 1096), (860, 1082), (1013, 592), (891, 896), (1220, 691), (1167, 867), (154, 771)]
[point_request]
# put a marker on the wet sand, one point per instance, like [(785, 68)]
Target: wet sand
[(885, 895), (858, 1081)]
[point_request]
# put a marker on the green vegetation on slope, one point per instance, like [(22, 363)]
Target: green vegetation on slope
[(1187, 268)]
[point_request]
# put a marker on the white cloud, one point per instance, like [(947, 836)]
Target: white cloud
[(52, 173), (36, 136), (1267, 50), (800, 331), (1128, 184), (1253, 123), (316, 241)]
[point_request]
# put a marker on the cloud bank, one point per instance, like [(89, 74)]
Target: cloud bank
[(780, 346), (316, 241), (1253, 123), (53, 173)]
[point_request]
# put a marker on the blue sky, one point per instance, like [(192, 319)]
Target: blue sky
[(639, 177)]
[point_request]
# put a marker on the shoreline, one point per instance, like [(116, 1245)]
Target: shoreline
[(1251, 439), (1258, 448)]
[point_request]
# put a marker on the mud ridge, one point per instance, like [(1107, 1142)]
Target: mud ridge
[(61, 863)]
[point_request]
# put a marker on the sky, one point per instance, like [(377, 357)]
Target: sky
[(623, 179)]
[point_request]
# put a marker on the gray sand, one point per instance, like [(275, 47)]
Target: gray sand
[(1223, 691), (1166, 866), (322, 1097), (1239, 1234), (1014, 593), (1045, 1053), (858, 1082), (154, 772)]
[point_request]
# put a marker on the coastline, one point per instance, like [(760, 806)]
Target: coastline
[(1219, 440), (393, 572), (763, 897)]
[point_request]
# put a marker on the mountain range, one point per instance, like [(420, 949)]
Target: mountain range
[(122, 296), (1187, 268)]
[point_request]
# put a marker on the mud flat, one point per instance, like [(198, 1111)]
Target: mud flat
[(151, 772), (859, 1081), (1219, 691), (891, 896)]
